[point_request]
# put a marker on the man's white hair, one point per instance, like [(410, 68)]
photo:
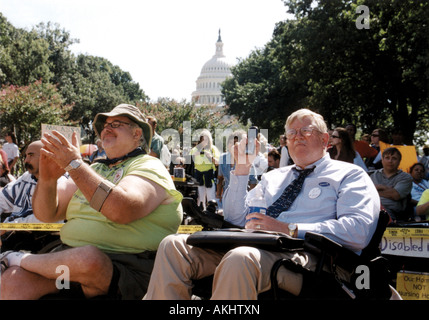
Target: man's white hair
[(300, 114)]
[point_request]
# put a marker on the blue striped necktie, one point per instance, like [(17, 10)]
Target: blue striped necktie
[(289, 194)]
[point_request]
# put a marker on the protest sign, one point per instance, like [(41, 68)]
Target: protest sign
[(66, 131)]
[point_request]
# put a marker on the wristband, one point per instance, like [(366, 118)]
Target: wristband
[(101, 194)]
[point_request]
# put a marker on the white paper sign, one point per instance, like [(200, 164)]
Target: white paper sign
[(66, 131)]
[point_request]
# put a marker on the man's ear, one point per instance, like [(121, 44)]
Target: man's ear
[(325, 139), (138, 133)]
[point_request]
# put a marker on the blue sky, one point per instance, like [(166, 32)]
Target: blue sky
[(162, 43)]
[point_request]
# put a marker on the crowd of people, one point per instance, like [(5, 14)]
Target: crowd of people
[(121, 209), (211, 168)]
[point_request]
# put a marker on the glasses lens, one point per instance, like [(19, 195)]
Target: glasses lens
[(306, 131), (115, 124), (290, 133)]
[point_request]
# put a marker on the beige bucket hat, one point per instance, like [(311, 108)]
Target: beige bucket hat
[(129, 111)]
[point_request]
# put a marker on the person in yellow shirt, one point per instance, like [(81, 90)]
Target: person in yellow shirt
[(117, 212), (422, 208), (206, 158)]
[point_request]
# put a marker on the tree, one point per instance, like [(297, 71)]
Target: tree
[(61, 59), (173, 116), (255, 92), (24, 56), (95, 85), (89, 84), (372, 77), (23, 109), (376, 76)]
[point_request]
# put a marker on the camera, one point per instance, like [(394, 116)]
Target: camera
[(252, 136)]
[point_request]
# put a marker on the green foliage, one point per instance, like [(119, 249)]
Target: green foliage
[(73, 89), (255, 93), (89, 84), (25, 108), (376, 77), (173, 115), (95, 85), (26, 59)]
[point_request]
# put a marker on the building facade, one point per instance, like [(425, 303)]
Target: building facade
[(213, 73)]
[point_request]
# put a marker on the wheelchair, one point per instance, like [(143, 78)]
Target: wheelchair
[(318, 284), (370, 273), (208, 218)]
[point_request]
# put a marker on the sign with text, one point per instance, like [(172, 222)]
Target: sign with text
[(409, 242), (66, 131), (413, 285)]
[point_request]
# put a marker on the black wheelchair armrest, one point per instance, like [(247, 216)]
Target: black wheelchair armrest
[(208, 218), (326, 248)]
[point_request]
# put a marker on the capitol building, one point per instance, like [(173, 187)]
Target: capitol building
[(213, 73)]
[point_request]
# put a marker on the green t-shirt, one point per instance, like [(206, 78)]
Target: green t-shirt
[(86, 226)]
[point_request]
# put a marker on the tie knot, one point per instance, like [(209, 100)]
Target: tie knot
[(305, 172), (289, 193)]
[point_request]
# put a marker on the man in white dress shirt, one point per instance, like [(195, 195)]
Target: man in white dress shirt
[(338, 200)]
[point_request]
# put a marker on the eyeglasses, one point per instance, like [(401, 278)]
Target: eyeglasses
[(375, 135), (305, 131), (115, 124), (337, 137)]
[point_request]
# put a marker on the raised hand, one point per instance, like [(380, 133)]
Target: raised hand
[(242, 159), (57, 153)]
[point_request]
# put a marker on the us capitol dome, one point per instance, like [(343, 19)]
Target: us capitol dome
[(213, 73)]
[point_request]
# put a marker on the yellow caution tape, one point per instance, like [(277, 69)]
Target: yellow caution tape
[(31, 226), (390, 232), (58, 226), (407, 232), (189, 228)]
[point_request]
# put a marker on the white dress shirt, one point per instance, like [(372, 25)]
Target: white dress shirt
[(338, 200)]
